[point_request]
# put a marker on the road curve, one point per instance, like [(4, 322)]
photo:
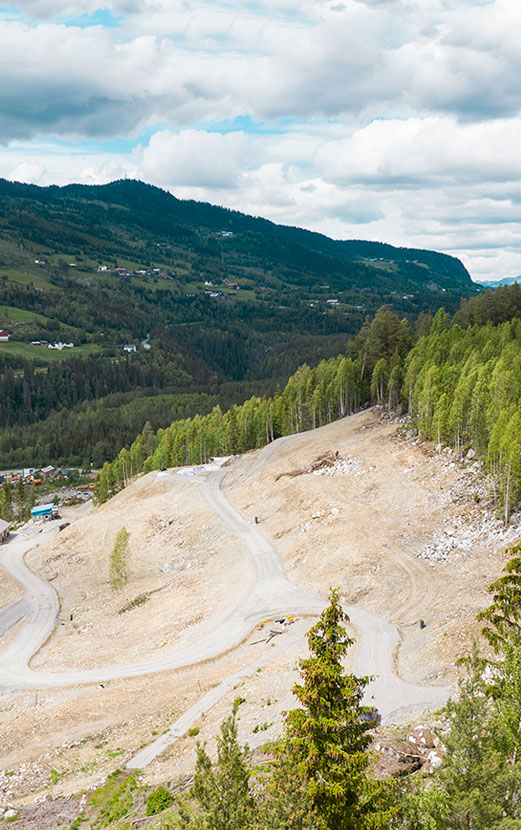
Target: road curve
[(273, 595)]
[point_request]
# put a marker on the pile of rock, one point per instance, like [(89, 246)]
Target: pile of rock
[(7, 811), (460, 539), (340, 467), (420, 749)]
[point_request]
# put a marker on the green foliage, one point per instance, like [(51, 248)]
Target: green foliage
[(261, 727), (222, 791), (474, 774), (311, 398), (479, 784), (250, 339), (158, 801), (463, 388), (503, 616), (422, 807), (323, 755), (115, 799), (78, 821), (119, 561)]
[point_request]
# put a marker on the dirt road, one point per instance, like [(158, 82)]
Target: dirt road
[(273, 595)]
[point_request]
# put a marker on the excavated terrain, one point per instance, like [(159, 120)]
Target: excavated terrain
[(402, 529)]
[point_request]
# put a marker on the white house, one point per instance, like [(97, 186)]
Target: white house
[(129, 347), (4, 337)]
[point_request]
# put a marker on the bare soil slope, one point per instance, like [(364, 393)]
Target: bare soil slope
[(359, 524), (185, 571)]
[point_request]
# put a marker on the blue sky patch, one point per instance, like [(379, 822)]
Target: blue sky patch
[(100, 17)]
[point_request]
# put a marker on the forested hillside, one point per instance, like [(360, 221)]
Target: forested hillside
[(460, 385), (215, 303)]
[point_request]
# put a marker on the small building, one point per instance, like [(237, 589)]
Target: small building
[(4, 336), (129, 347), (102, 268), (331, 302), (46, 472), (59, 345), (28, 473), (5, 529), (44, 512)]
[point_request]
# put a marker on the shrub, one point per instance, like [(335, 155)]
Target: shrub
[(158, 801)]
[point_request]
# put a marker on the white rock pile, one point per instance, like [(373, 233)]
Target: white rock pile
[(341, 467), (461, 538)]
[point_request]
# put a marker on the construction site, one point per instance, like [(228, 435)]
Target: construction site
[(228, 567)]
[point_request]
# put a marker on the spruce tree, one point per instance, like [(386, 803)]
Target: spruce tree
[(475, 774), (222, 790), (324, 750)]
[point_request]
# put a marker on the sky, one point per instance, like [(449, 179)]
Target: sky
[(390, 120)]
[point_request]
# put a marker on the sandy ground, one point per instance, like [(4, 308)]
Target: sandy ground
[(181, 559), (85, 733), (358, 529), (10, 590)]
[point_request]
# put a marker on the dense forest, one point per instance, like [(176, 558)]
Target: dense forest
[(214, 302)]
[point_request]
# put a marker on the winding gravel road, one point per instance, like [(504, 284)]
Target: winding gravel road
[(273, 595)]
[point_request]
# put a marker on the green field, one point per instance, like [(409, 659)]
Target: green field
[(44, 355), (10, 314)]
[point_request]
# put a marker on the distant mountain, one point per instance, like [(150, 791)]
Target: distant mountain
[(205, 301), (497, 283)]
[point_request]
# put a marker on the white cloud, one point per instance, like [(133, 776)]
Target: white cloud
[(27, 172), (195, 158), (386, 119)]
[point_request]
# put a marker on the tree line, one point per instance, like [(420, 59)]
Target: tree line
[(460, 386), (311, 398)]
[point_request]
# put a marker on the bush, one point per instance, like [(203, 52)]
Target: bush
[(158, 801)]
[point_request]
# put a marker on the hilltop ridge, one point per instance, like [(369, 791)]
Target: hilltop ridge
[(168, 307)]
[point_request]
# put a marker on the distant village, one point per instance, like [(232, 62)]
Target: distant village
[(36, 477), (157, 273)]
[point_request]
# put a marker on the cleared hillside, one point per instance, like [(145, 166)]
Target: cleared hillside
[(359, 524)]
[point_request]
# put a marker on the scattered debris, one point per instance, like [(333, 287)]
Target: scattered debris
[(341, 467), (421, 749), (460, 539), (327, 459), (285, 621)]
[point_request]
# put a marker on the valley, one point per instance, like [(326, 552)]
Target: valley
[(121, 305)]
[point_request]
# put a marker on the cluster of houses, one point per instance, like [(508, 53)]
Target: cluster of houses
[(211, 291), (33, 475), (141, 272), (4, 338), (56, 345)]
